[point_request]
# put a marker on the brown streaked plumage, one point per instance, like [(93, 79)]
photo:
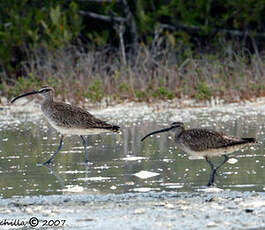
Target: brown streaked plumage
[(69, 119), (205, 143)]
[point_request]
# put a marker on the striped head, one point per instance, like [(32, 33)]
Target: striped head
[(175, 127), (45, 92)]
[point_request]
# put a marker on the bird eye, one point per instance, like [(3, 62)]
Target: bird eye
[(44, 90)]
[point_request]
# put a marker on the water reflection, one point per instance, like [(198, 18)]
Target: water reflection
[(114, 160)]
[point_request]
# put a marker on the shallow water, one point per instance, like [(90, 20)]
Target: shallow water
[(121, 163)]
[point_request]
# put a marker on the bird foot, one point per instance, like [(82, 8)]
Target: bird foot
[(46, 162), (211, 184)]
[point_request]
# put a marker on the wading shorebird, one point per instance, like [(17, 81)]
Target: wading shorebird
[(68, 119), (205, 143)]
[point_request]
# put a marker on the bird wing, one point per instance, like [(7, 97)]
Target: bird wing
[(203, 139), (71, 116)]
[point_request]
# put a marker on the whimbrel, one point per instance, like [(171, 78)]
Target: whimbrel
[(68, 119), (205, 143)]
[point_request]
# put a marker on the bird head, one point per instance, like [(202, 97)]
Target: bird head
[(45, 92), (175, 127)]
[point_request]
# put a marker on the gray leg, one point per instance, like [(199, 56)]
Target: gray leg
[(213, 172), (84, 144), (224, 161), (214, 169), (59, 178), (210, 163), (58, 149)]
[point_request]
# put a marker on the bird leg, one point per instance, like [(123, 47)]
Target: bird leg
[(210, 163), (223, 162), (85, 144), (214, 169), (58, 177), (213, 172), (58, 149)]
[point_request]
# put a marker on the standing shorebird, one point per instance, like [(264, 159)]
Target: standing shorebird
[(69, 119), (205, 143)]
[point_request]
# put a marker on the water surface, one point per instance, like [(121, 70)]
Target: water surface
[(26, 139)]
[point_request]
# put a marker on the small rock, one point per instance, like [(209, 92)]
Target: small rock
[(232, 161), (238, 199), (211, 199), (66, 200), (47, 212), (145, 174), (183, 202), (5, 211), (73, 188), (254, 194), (139, 211), (182, 207), (160, 204), (29, 210), (85, 219), (248, 210), (211, 225), (170, 206)]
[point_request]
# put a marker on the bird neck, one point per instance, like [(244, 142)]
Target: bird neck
[(48, 99), (178, 132)]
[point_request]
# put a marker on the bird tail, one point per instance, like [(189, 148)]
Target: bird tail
[(113, 128), (249, 140)]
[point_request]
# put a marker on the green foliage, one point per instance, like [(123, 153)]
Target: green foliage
[(203, 91), (99, 38), (140, 95), (53, 82), (123, 87), (256, 87), (163, 93), (146, 17), (95, 91), (62, 26), (27, 25), (25, 83)]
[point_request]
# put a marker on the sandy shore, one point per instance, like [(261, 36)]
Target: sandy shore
[(207, 209)]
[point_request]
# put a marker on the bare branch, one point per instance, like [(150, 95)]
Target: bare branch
[(97, 1), (259, 61), (102, 17), (128, 19), (196, 29), (120, 30), (131, 23)]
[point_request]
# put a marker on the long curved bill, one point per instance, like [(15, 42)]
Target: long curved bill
[(23, 95), (155, 132)]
